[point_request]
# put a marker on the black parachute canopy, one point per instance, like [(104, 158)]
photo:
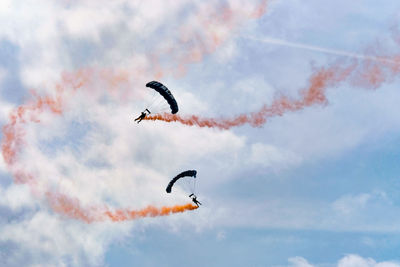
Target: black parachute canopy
[(163, 90), (190, 173)]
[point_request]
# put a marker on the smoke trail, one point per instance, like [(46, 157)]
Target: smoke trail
[(72, 209), (365, 74), (13, 143), (190, 47), (313, 94), (365, 71), (13, 132), (150, 211)]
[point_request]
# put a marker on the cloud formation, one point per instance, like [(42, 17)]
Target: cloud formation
[(74, 125), (350, 260)]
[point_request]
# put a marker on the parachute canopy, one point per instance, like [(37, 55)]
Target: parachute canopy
[(189, 173), (163, 90)]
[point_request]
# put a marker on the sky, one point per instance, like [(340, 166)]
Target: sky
[(287, 110)]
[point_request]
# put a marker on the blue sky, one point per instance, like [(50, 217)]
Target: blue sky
[(315, 187)]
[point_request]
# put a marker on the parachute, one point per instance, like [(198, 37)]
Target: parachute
[(165, 93), (189, 173)]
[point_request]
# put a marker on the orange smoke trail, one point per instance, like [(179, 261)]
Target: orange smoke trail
[(13, 143), (313, 94), (361, 73), (150, 211), (72, 208), (13, 132), (191, 47)]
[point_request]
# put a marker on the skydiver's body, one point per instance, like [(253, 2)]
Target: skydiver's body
[(142, 115), (194, 199)]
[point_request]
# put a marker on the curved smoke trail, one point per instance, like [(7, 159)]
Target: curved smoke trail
[(313, 94), (13, 143), (191, 47), (365, 73)]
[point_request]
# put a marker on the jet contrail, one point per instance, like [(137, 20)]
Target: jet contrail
[(281, 42)]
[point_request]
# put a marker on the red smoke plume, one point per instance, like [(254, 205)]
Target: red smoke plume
[(191, 47)]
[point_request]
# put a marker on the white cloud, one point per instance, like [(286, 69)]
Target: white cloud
[(358, 261), (366, 212), (348, 204), (3, 73), (227, 52), (47, 240), (351, 260), (115, 163), (221, 235), (116, 148), (16, 197), (373, 211), (299, 262), (272, 157)]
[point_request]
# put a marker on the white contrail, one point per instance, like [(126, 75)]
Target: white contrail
[(320, 49)]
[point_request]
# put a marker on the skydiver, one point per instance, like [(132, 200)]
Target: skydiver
[(143, 115), (194, 199)]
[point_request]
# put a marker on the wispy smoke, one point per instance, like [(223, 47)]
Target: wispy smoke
[(190, 47)]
